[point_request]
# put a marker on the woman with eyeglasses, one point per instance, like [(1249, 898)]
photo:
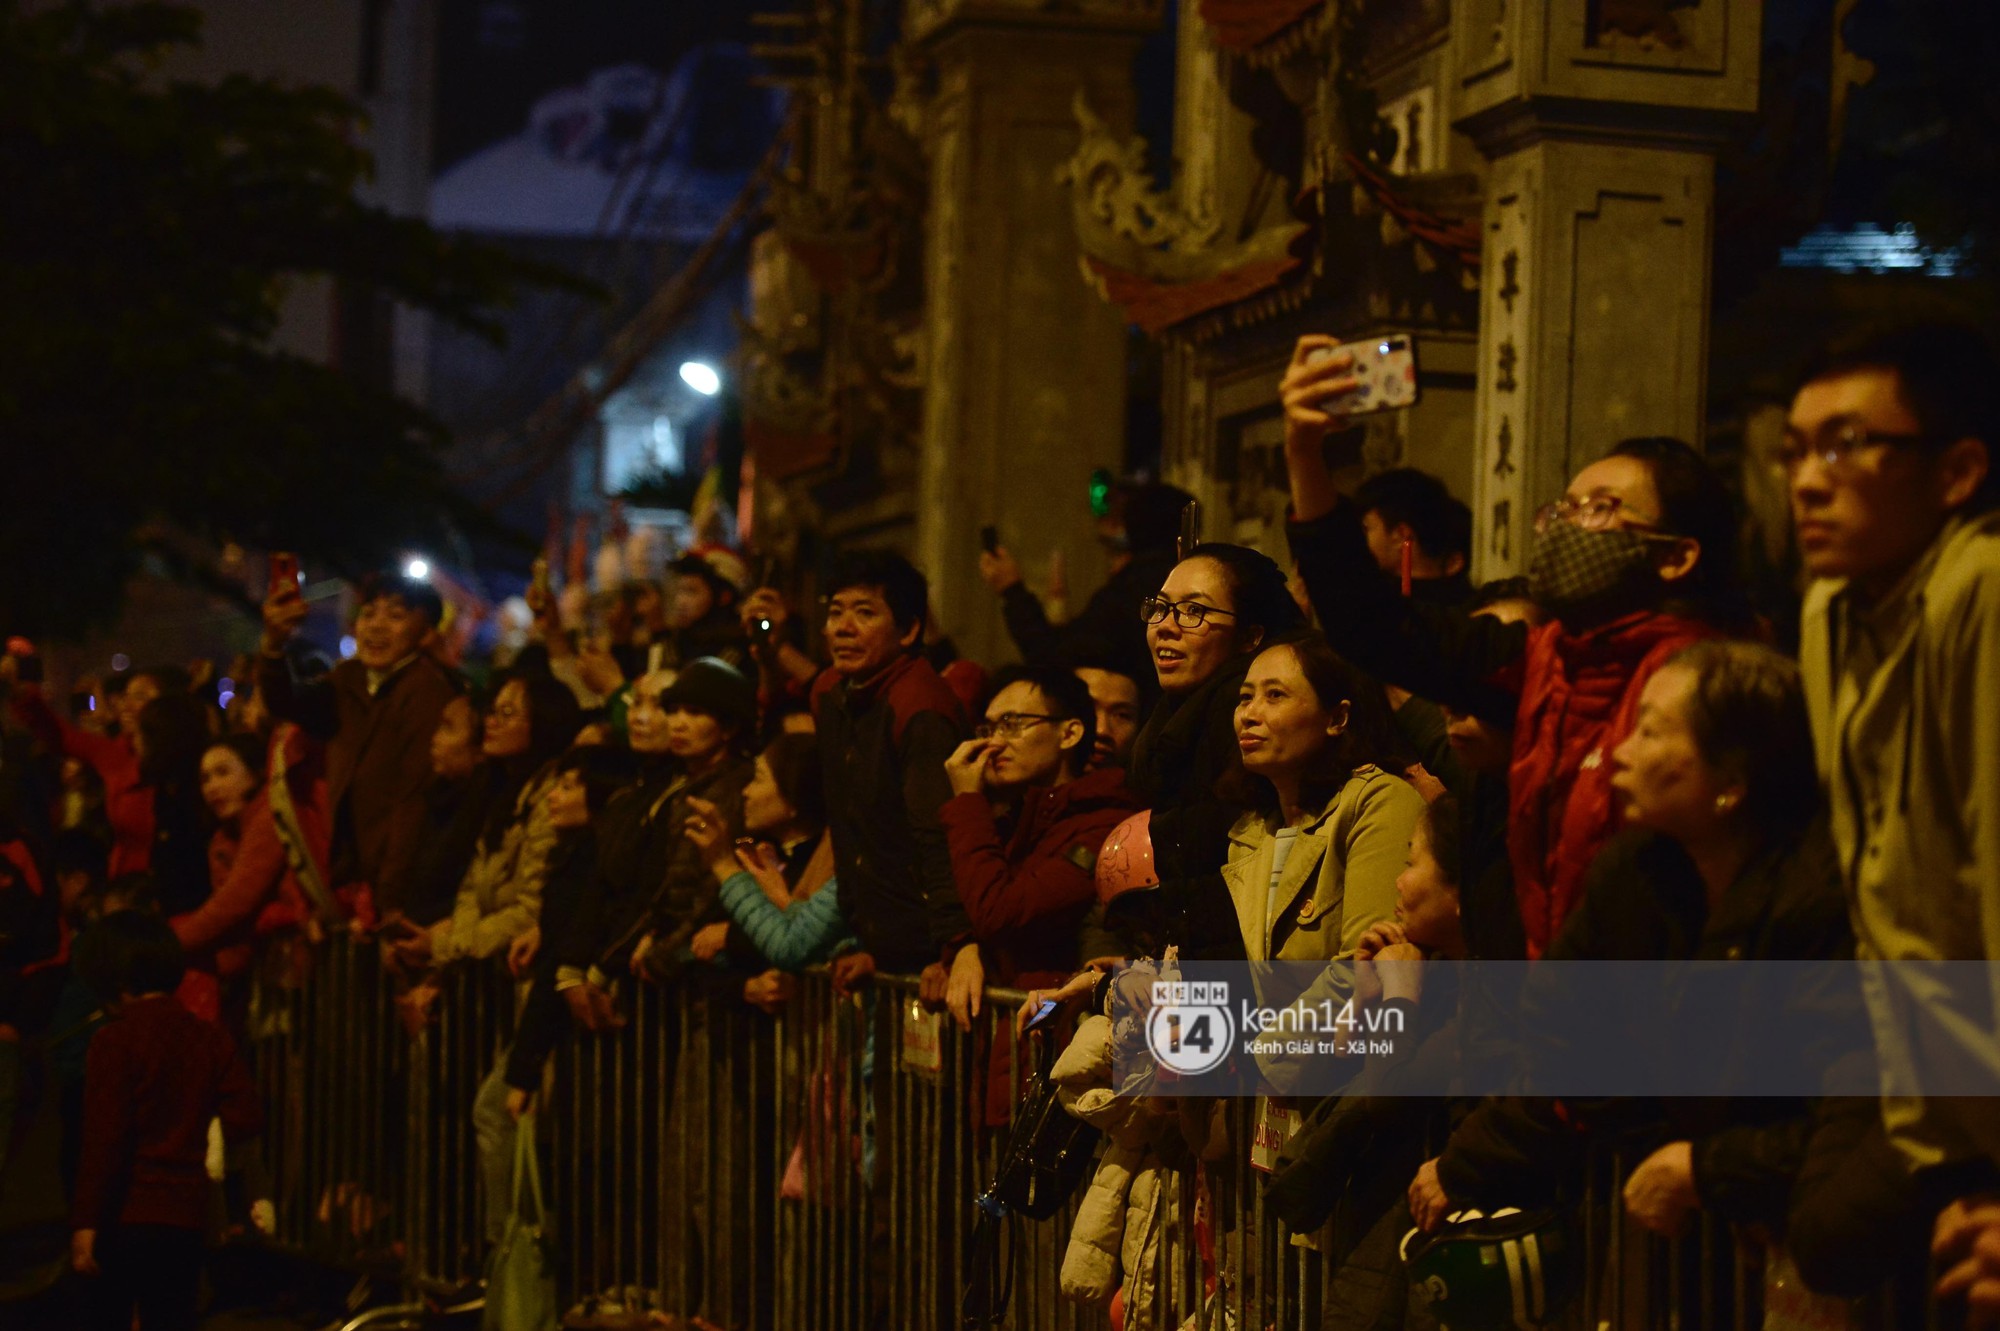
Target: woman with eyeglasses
[(529, 722), (1216, 609), (1635, 561)]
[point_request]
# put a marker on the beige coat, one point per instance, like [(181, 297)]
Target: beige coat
[(1905, 705), (500, 896), (1338, 882)]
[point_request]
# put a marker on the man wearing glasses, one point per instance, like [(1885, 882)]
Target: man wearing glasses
[(1025, 822), (1889, 456)]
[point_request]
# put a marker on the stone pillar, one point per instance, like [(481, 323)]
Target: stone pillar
[(1024, 365), (1600, 121)]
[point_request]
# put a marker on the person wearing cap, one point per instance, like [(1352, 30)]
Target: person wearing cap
[(1140, 534), (376, 712), (702, 618)]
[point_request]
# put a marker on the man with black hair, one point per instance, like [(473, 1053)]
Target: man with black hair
[(154, 1077), (1889, 450), (1140, 533), (376, 713), (1026, 872), (1120, 706), (887, 722), (1408, 514)]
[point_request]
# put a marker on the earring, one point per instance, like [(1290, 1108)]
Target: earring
[(1724, 803)]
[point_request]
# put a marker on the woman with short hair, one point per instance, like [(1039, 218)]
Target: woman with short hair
[(1725, 858)]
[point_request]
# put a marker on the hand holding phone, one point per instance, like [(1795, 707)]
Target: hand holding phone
[(1384, 370), (989, 539)]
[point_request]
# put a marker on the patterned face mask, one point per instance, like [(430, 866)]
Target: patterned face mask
[(1578, 571)]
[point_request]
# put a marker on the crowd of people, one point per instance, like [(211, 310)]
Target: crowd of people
[(1363, 757)]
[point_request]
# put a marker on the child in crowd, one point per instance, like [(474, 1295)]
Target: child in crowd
[(154, 1078)]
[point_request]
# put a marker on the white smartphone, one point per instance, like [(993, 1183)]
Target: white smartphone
[(1386, 370)]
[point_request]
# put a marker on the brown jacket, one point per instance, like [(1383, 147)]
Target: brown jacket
[(377, 760)]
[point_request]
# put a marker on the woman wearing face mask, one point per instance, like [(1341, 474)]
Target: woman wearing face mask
[(1634, 562), (1726, 859), (1203, 628), (531, 721)]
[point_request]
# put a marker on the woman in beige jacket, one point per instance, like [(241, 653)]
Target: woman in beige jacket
[(1313, 864)]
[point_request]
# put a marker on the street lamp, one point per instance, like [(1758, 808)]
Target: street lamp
[(417, 569), (701, 377)]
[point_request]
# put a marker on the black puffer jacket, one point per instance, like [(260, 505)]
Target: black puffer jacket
[(1644, 901)]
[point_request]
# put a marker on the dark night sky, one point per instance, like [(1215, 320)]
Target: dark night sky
[(495, 57)]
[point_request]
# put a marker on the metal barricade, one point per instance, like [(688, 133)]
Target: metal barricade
[(369, 1141), (813, 1169)]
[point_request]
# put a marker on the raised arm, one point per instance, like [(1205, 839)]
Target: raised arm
[(1440, 654)]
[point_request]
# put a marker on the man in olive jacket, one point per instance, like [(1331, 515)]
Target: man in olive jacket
[(1893, 489)]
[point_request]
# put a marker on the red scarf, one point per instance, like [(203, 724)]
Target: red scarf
[(1579, 699)]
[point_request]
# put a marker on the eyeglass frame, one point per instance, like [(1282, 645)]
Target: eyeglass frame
[(1838, 460), (1011, 725), (1561, 510), (1174, 608)]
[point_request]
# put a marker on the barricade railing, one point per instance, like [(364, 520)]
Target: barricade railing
[(816, 1168)]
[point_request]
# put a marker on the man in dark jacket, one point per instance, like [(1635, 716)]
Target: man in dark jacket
[(1108, 630), (886, 724), (376, 712)]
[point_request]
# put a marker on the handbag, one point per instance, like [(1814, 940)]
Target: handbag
[(1048, 1152), (521, 1273)]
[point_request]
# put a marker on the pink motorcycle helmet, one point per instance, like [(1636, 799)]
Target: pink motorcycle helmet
[(1125, 862)]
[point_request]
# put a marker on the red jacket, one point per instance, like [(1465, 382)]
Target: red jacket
[(153, 1079), (128, 805), (1026, 895), (1579, 698), (252, 892)]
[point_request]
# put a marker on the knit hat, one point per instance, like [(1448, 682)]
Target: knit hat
[(716, 688)]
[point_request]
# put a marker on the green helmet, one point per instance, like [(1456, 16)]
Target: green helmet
[(1511, 1269)]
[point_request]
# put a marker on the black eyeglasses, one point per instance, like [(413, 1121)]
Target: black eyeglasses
[(1009, 725), (1187, 614), (1835, 444)]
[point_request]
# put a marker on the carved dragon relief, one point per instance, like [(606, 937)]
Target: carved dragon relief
[(1146, 251)]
